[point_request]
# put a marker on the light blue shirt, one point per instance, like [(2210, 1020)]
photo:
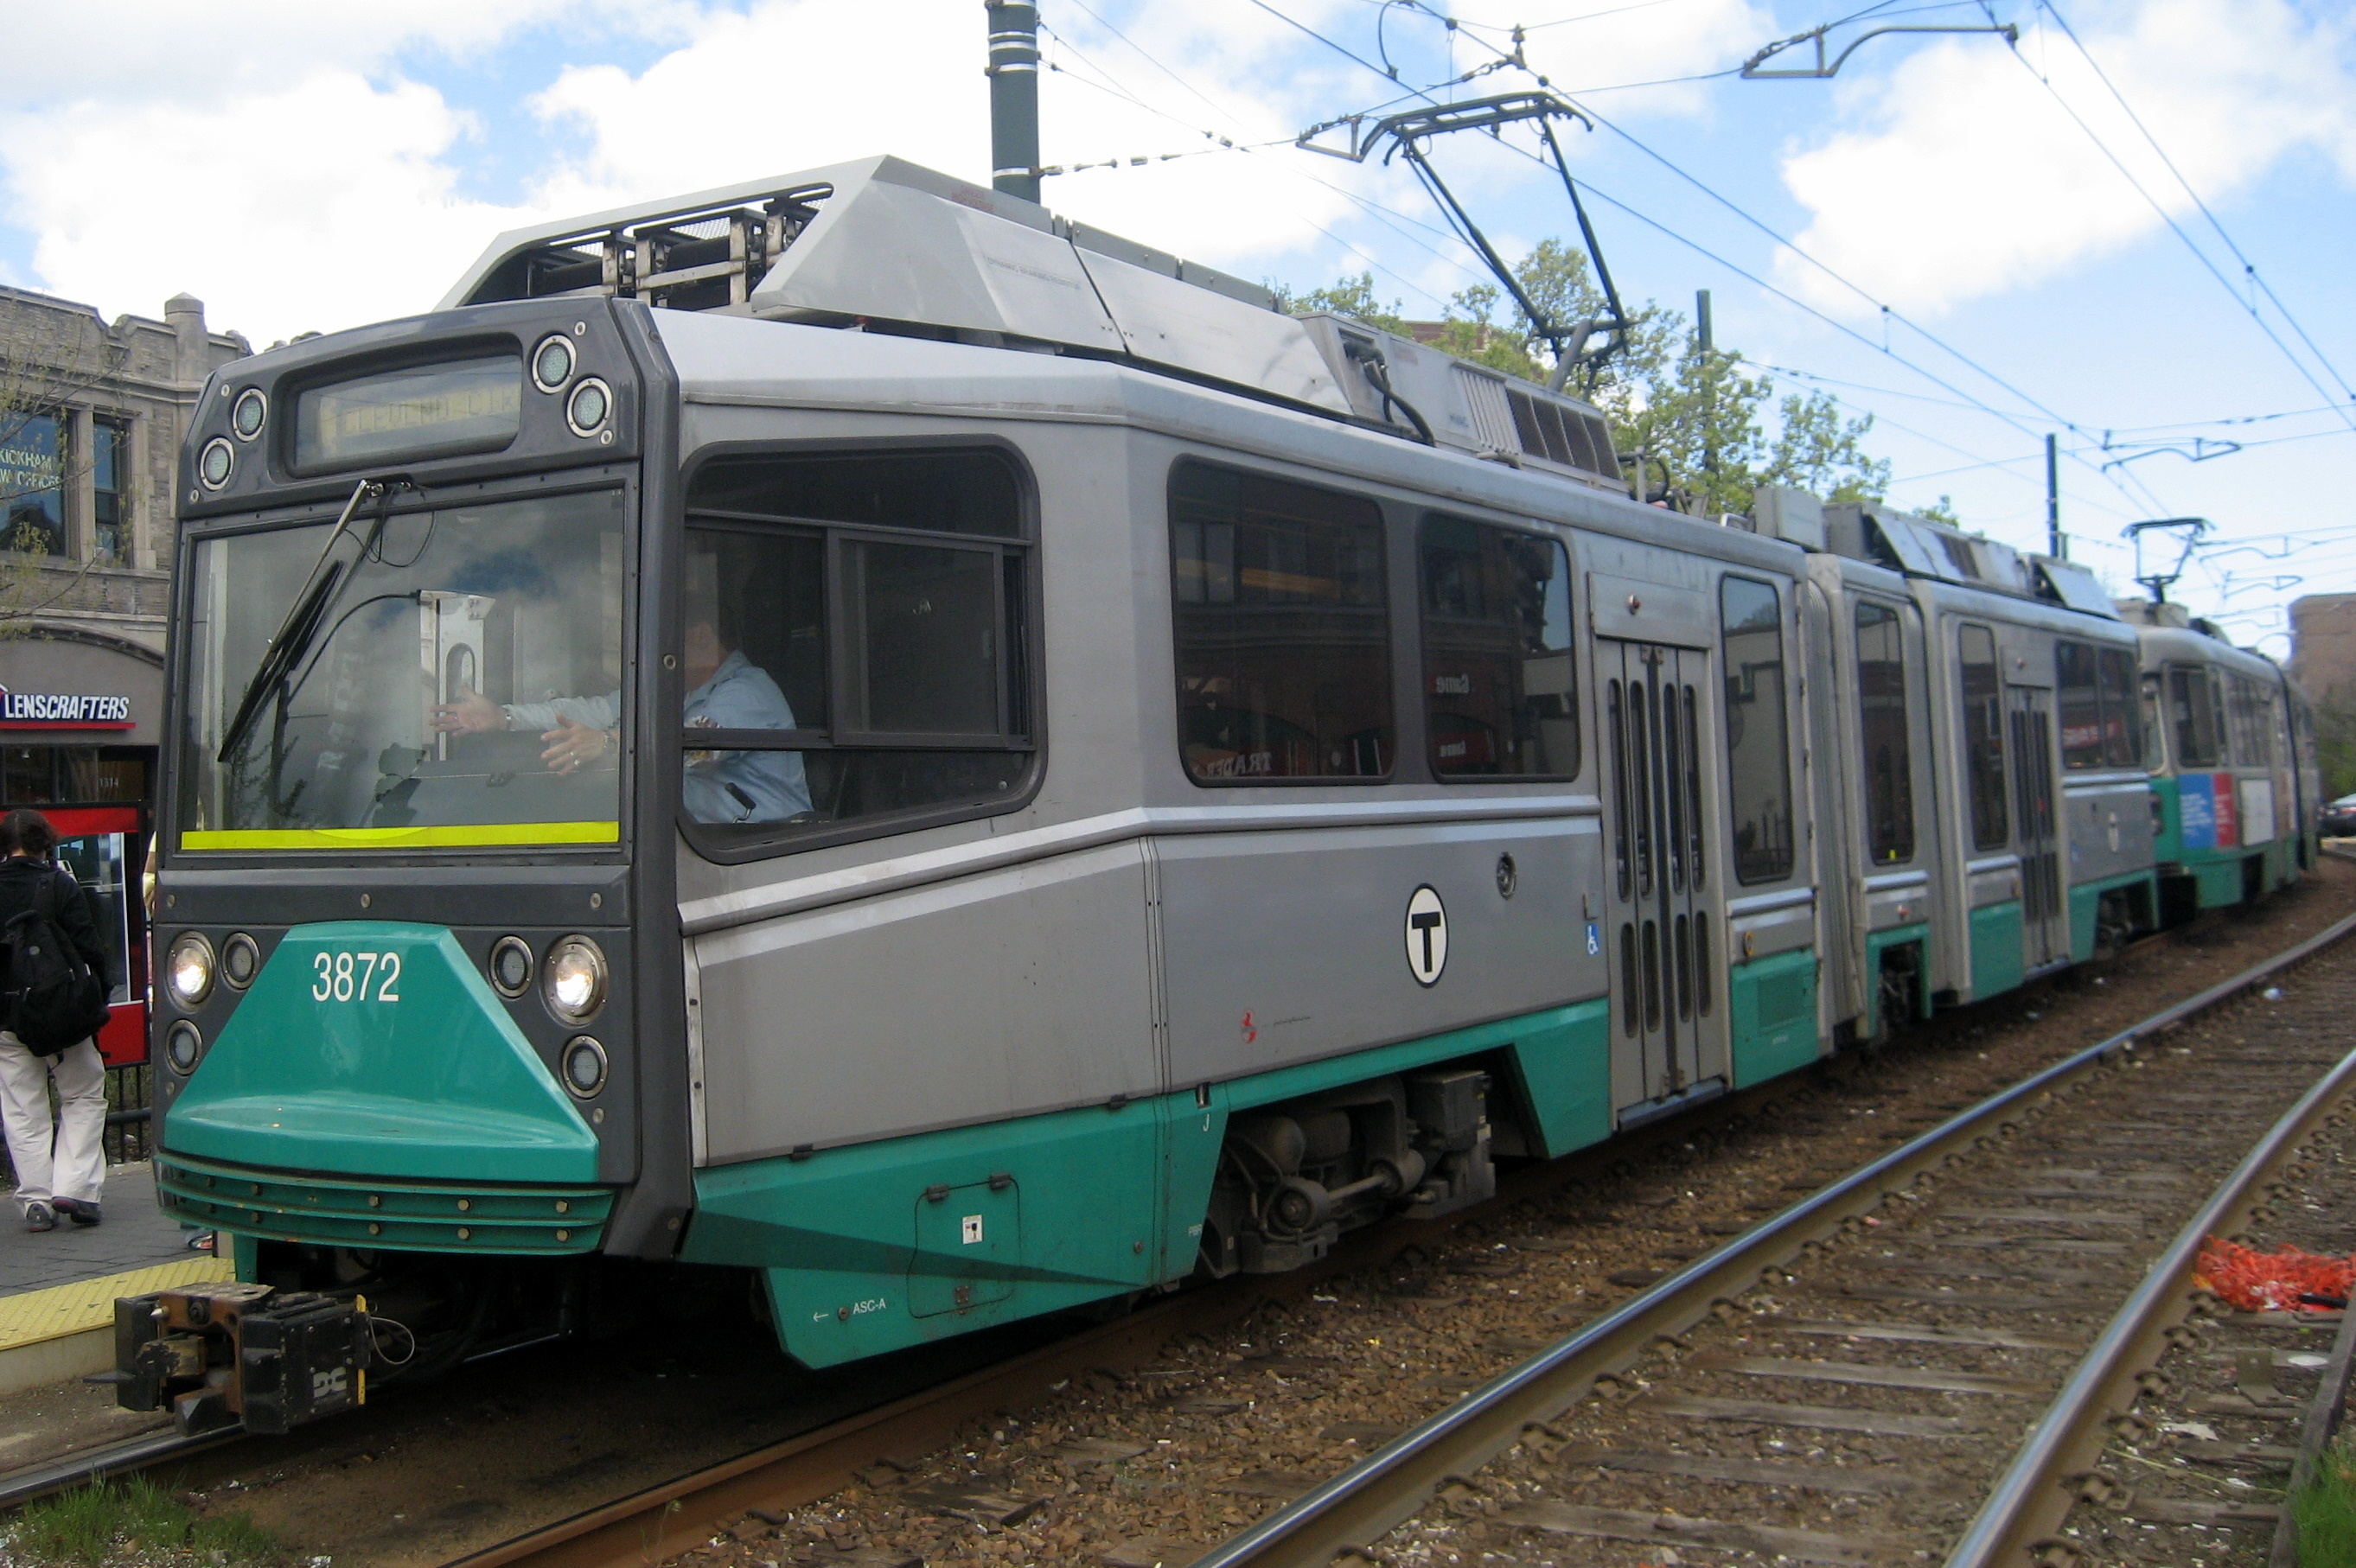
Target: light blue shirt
[(718, 786)]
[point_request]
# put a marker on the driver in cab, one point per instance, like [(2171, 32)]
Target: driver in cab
[(725, 691)]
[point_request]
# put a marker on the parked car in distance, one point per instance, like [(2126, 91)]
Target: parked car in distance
[(2339, 817)]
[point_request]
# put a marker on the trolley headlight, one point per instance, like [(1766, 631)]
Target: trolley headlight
[(189, 969), (183, 1046), (247, 414), (574, 979), (551, 364), (587, 409), (585, 1067), (241, 961), (213, 463), (511, 966)]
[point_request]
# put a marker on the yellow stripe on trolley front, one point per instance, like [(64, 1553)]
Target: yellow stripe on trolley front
[(462, 836)]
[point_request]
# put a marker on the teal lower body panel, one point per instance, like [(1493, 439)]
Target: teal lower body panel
[(1997, 964), (2218, 877), (2086, 903), (878, 1246), (1772, 1005), (1878, 944), (1564, 1063)]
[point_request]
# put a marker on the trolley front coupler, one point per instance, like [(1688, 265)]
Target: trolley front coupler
[(219, 1355)]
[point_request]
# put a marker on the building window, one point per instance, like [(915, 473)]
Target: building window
[(1758, 768), (110, 475), (32, 483), (72, 776), (852, 634), (1283, 629), (1884, 726), (1500, 695), (1984, 736)]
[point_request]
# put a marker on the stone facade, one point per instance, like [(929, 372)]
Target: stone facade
[(2323, 645), (92, 414)]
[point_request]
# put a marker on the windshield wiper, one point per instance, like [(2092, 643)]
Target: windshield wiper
[(310, 608)]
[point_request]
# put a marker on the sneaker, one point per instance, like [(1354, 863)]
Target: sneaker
[(40, 1216), (79, 1213)]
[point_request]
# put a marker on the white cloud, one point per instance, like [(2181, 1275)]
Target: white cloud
[(318, 206), (1961, 176), (794, 84)]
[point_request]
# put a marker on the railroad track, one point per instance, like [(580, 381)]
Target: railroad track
[(1980, 1272), (1914, 1317), (677, 1515)]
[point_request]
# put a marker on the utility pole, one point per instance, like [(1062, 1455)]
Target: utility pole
[(1014, 97), (1702, 341), (2055, 545)]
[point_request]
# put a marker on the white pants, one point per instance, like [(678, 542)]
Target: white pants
[(67, 1158)]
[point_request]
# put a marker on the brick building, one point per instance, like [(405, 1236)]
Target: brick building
[(2323, 645), (92, 413)]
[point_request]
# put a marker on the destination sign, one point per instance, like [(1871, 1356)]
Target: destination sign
[(419, 411)]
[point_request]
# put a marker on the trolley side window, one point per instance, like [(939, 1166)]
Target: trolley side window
[(1758, 768), (1283, 629), (2079, 699), (2254, 723), (2122, 711), (2155, 732), (1501, 699), (2095, 688), (1984, 736), (1883, 726), (851, 642), (2192, 714)]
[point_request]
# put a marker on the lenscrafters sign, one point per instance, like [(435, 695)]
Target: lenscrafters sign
[(63, 711)]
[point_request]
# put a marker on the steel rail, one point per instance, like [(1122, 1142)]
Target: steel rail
[(36, 1481), (2029, 1502), (1356, 1508)]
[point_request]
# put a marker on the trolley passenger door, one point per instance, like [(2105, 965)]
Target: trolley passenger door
[(2045, 935), (1659, 942)]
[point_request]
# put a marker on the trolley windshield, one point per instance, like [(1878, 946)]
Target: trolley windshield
[(461, 690)]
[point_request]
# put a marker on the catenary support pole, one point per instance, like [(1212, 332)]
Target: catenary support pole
[(2055, 545), (1014, 97)]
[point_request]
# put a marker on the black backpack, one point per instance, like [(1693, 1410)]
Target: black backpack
[(54, 999)]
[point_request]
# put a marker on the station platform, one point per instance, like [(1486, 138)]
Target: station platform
[(57, 1288)]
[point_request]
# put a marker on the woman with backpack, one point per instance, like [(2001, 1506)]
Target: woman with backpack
[(59, 1165)]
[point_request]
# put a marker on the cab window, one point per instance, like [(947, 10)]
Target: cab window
[(852, 642)]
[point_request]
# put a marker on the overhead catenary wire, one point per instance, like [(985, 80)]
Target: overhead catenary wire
[(2127, 485), (2249, 268), (2148, 502), (2169, 219)]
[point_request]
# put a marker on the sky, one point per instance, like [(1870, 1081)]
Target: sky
[(2129, 227)]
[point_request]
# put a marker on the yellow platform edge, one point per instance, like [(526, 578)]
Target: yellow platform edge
[(35, 1316)]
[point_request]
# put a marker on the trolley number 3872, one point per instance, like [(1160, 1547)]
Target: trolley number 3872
[(354, 976)]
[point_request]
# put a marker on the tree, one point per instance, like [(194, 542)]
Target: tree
[(2335, 741), (1692, 418), (1353, 297), (1816, 450)]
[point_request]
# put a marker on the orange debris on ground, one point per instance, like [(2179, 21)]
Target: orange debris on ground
[(2254, 1281)]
